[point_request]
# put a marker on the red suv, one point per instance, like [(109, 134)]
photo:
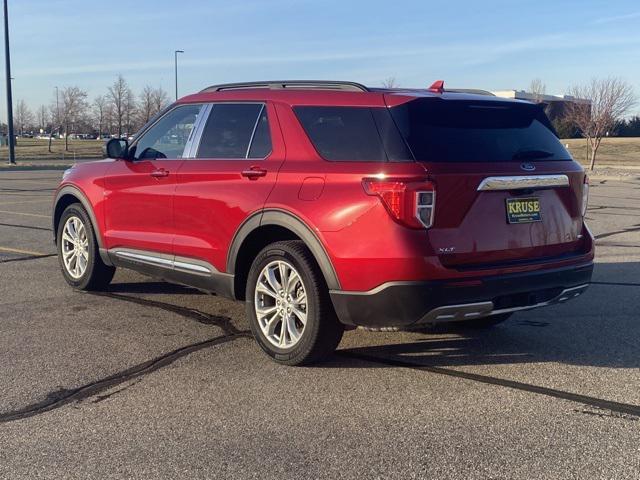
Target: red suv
[(330, 204)]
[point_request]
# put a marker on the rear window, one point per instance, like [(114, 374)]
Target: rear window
[(466, 131), (354, 134)]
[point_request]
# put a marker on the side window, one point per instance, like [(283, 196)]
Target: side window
[(261, 144), (230, 129), (343, 133), (168, 137)]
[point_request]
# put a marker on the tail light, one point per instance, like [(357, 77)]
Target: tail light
[(410, 203), (585, 195)]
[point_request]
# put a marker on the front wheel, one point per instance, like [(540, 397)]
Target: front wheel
[(78, 252), (288, 305)]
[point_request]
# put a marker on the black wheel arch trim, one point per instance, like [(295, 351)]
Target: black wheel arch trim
[(82, 198), (291, 222)]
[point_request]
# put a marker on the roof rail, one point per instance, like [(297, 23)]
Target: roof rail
[(291, 84)]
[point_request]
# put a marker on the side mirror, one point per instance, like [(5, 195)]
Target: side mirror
[(117, 148)]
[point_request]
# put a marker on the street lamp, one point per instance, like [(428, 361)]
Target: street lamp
[(175, 58), (11, 138)]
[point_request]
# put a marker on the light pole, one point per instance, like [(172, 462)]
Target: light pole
[(175, 62), (11, 138)]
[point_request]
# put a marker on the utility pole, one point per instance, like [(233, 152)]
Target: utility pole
[(11, 138), (175, 55)]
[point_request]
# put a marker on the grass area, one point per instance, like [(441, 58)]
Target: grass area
[(612, 152), (36, 149)]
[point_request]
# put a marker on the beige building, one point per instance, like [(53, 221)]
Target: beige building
[(554, 104)]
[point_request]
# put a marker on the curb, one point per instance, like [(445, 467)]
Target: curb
[(24, 168)]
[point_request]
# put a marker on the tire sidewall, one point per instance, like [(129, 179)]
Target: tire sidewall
[(75, 210), (310, 333)]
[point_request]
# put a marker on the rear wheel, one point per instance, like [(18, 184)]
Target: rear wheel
[(78, 253), (288, 305)]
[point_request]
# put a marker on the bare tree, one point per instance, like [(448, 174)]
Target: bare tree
[(120, 96), (390, 82), (145, 104), (130, 109), (110, 119), (73, 106), (99, 106), (538, 89), (160, 100), (151, 101), (611, 99), (43, 118), (56, 120), (22, 116)]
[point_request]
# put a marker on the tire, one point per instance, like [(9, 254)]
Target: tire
[(299, 343), (485, 322), (95, 275)]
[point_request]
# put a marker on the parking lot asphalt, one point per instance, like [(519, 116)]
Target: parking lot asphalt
[(152, 380)]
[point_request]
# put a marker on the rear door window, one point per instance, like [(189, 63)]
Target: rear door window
[(355, 134), (439, 130), (261, 143), (236, 131)]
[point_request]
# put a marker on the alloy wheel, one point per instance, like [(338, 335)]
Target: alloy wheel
[(75, 247), (281, 304)]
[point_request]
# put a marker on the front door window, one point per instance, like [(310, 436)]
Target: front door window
[(169, 136)]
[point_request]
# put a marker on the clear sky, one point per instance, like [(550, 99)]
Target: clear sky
[(477, 44)]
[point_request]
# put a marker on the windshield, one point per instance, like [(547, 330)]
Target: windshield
[(439, 130)]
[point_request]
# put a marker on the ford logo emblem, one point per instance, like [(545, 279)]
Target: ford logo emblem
[(528, 167)]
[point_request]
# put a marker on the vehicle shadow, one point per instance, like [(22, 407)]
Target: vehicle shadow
[(151, 287), (599, 329)]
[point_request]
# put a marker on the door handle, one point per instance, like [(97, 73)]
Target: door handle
[(254, 172), (159, 173)]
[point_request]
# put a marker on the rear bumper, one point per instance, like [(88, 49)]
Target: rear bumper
[(398, 304)]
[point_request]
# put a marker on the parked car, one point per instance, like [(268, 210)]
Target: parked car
[(325, 205)]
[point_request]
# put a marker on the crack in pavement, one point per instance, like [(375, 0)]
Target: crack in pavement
[(102, 398), (612, 244), (15, 225), (201, 317), (606, 414), (603, 207), (24, 190), (620, 284), (633, 228), (621, 408), (30, 257), (61, 397), (614, 197)]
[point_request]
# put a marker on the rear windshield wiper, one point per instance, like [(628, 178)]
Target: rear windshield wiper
[(531, 154)]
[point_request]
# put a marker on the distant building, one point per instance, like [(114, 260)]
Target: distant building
[(555, 105)]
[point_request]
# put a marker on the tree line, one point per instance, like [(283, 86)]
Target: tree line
[(116, 112), (605, 114)]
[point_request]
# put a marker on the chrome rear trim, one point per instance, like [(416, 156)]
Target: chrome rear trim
[(523, 182), (470, 311)]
